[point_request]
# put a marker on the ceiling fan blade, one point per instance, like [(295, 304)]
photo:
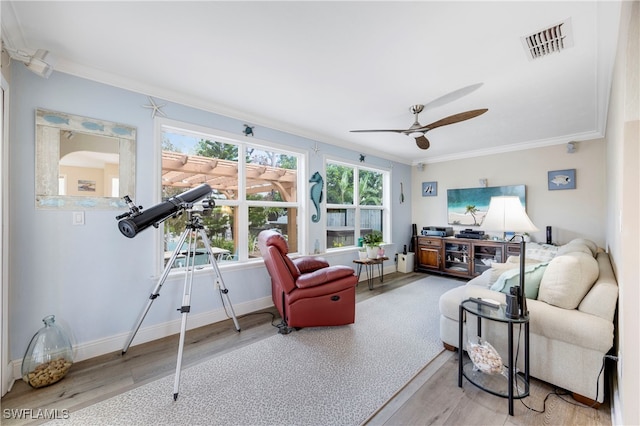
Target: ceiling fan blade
[(455, 118), (380, 130), (422, 142), (450, 97)]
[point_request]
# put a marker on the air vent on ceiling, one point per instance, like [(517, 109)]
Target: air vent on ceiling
[(553, 39)]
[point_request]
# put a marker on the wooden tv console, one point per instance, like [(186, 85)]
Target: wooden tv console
[(460, 257)]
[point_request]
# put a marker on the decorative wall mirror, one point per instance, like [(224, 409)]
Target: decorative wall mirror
[(83, 163)]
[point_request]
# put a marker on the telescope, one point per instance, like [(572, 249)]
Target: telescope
[(135, 220)]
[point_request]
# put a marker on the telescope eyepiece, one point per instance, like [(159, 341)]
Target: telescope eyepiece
[(208, 203)]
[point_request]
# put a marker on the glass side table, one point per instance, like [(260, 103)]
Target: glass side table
[(515, 385)]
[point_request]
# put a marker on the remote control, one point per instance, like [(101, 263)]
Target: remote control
[(479, 301)]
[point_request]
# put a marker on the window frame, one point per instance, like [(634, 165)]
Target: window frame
[(241, 204), (385, 208)]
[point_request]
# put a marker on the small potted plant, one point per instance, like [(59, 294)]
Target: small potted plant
[(372, 242), (362, 253)]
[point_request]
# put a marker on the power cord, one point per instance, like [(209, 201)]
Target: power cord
[(604, 358), (560, 395), (556, 391), (224, 306), (273, 316)]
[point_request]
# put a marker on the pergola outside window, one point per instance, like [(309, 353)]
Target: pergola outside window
[(255, 187)]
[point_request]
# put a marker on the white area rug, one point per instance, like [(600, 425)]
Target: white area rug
[(314, 376)]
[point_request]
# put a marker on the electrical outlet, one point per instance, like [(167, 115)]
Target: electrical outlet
[(78, 218)]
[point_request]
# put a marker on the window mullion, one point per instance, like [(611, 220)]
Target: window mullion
[(356, 202), (243, 208)]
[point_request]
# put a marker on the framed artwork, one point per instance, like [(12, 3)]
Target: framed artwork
[(468, 206), (429, 189), (561, 179), (86, 185)]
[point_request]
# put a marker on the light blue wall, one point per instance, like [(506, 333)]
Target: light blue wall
[(91, 277)]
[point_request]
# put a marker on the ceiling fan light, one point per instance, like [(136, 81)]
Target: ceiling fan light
[(415, 134)]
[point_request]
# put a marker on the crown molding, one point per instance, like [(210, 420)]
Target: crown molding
[(12, 35), (522, 146), (103, 77)]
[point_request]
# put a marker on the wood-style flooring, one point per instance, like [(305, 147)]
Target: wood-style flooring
[(431, 398)]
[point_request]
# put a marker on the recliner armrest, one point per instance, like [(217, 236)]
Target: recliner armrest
[(310, 263), (323, 276)]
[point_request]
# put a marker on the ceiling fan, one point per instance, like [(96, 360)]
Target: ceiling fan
[(417, 130)]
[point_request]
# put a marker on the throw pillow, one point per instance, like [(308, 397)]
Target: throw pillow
[(498, 269), (592, 246), (516, 260), (568, 279), (532, 276), (540, 252), (573, 247)]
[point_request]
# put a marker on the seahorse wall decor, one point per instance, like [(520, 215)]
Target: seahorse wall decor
[(316, 194)]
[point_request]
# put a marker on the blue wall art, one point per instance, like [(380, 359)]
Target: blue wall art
[(429, 189), (316, 194), (561, 179), (468, 206)]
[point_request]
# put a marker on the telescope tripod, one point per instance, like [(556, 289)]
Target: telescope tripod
[(193, 231)]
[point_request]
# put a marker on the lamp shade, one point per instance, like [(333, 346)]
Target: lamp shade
[(506, 214)]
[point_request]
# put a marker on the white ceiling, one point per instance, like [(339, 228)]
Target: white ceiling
[(320, 69)]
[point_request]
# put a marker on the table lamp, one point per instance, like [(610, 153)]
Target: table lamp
[(506, 214)]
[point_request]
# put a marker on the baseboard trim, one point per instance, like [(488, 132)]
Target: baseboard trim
[(616, 404), (146, 334), (7, 378), (389, 269)]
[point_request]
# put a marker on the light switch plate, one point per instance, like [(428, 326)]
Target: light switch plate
[(78, 218)]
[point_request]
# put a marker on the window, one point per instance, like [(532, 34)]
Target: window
[(115, 187), (255, 187), (62, 184), (355, 210)]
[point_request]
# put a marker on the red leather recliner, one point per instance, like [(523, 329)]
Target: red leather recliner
[(307, 291)]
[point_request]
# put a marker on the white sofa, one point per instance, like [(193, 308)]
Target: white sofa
[(571, 315)]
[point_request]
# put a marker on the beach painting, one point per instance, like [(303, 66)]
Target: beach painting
[(468, 206)]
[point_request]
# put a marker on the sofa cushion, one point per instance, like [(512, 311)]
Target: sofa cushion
[(567, 279), (532, 277), (575, 247), (308, 264), (570, 326), (603, 296), (323, 276), (449, 302)]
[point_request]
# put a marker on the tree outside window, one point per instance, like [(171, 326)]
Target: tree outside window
[(348, 220)]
